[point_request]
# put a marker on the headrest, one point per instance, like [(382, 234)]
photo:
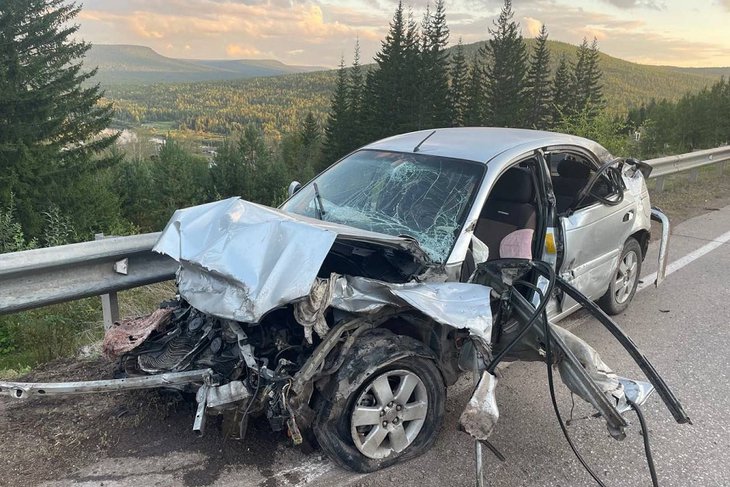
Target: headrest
[(570, 168), (515, 186)]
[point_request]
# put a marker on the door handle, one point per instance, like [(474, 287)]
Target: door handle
[(629, 216)]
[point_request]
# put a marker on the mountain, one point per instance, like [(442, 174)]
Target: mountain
[(140, 64)]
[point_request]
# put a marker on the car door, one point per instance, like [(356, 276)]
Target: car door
[(593, 229)]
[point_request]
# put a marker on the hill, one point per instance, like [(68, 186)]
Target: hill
[(627, 84), (140, 64), (279, 103)]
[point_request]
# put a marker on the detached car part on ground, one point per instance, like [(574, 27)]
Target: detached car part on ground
[(343, 316)]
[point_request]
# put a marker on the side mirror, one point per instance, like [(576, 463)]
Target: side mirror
[(294, 186)]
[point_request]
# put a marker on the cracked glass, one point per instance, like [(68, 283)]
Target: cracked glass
[(401, 194)]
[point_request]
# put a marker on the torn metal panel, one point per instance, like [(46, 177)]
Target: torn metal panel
[(128, 334), (236, 258), (606, 380), (310, 311), (239, 260), (456, 304), (223, 395), (635, 182), (481, 414)]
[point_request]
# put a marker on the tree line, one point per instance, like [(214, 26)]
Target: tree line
[(696, 121), (415, 84)]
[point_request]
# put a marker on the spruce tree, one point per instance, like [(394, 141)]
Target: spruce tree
[(539, 96), (505, 57), (336, 132), (388, 101), (309, 142), (587, 88), (435, 66), (474, 109), (562, 94), (355, 100), (50, 119), (459, 84), (309, 132), (409, 78)]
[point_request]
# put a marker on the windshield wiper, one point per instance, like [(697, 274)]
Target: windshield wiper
[(318, 206)]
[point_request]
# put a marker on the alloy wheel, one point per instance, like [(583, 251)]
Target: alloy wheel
[(389, 413), (626, 277)]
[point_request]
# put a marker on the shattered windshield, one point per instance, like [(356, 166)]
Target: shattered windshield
[(416, 195)]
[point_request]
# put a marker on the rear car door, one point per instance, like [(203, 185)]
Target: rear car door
[(594, 224)]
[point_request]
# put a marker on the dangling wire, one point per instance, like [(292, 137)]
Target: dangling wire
[(647, 447)]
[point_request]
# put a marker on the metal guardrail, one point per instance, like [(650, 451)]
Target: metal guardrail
[(37, 278), (692, 162)]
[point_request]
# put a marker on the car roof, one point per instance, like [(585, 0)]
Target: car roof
[(480, 144)]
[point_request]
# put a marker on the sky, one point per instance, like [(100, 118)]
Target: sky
[(320, 32)]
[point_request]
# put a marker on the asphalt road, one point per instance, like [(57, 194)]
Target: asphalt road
[(684, 329)]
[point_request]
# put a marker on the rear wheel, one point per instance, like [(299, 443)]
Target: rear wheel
[(625, 280), (381, 411)]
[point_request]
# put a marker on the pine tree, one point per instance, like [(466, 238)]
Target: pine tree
[(505, 57), (459, 84), (474, 110), (587, 88), (50, 118), (539, 96), (435, 68), (562, 95), (337, 131)]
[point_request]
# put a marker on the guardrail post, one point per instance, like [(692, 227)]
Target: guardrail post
[(660, 184), (109, 302), (109, 309), (694, 174)]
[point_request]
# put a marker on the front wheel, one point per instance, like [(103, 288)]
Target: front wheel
[(625, 280), (382, 411)]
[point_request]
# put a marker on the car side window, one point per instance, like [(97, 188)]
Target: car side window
[(570, 173)]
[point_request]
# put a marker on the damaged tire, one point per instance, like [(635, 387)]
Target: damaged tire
[(386, 404), (625, 280)]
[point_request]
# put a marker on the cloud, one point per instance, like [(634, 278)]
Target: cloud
[(532, 26), (629, 4), (239, 51), (318, 32)]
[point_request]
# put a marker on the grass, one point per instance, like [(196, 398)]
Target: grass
[(683, 199), (34, 337)]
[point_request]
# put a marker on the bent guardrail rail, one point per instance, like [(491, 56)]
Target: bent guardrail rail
[(37, 278)]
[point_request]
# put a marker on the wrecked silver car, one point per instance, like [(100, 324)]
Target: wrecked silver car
[(343, 315)]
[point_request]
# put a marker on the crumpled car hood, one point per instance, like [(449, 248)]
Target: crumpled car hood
[(239, 260)]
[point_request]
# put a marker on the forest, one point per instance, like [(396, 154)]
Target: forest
[(278, 103), (63, 179)]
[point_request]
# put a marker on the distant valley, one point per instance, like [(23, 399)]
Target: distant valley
[(140, 64)]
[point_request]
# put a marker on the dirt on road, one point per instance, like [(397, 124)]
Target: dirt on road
[(47, 438)]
